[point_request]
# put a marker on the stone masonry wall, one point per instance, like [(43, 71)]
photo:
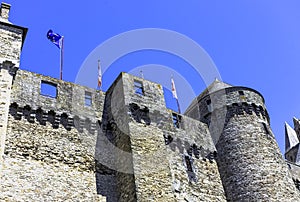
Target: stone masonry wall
[(46, 164), (295, 171), (202, 183), (250, 163), (51, 142), (10, 43), (5, 94), (150, 162), (159, 149), (116, 143)]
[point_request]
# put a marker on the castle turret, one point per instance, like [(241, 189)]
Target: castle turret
[(249, 160), (11, 41)]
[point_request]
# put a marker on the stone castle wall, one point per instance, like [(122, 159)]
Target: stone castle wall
[(11, 40), (50, 142), (63, 142)]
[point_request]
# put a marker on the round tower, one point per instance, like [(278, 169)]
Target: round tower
[(249, 160)]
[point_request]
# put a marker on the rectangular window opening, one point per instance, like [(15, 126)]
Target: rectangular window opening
[(88, 99), (241, 92), (176, 120), (242, 95), (138, 87), (188, 163), (209, 105), (48, 89)]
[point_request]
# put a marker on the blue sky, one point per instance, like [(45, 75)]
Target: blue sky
[(252, 43)]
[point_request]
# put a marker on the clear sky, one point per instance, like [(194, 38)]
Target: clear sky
[(253, 43)]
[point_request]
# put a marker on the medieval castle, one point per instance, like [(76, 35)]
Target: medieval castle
[(82, 144)]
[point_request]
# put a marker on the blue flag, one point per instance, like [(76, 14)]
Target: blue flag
[(54, 38)]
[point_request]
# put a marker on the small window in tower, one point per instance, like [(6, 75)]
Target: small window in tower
[(209, 106), (242, 95), (265, 128), (138, 87), (188, 163), (176, 120), (48, 89), (88, 99)]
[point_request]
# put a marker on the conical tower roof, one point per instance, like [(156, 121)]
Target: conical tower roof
[(291, 138), (213, 87)]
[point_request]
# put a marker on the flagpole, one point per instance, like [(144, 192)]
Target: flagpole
[(61, 57), (179, 111), (175, 94), (99, 76)]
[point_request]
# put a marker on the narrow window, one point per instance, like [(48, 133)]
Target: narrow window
[(168, 139), (242, 95), (209, 107), (266, 128), (188, 163), (176, 120), (88, 99), (48, 89), (138, 87)]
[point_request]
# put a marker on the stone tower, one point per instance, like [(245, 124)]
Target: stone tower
[(249, 160), (160, 155), (11, 42), (74, 143)]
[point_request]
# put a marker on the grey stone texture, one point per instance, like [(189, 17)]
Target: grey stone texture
[(11, 39), (155, 167), (249, 160), (55, 138), (65, 142)]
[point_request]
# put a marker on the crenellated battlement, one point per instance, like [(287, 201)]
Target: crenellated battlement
[(42, 92), (56, 119), (60, 141)]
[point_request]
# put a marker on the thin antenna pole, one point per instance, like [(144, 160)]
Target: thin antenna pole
[(142, 74), (61, 58)]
